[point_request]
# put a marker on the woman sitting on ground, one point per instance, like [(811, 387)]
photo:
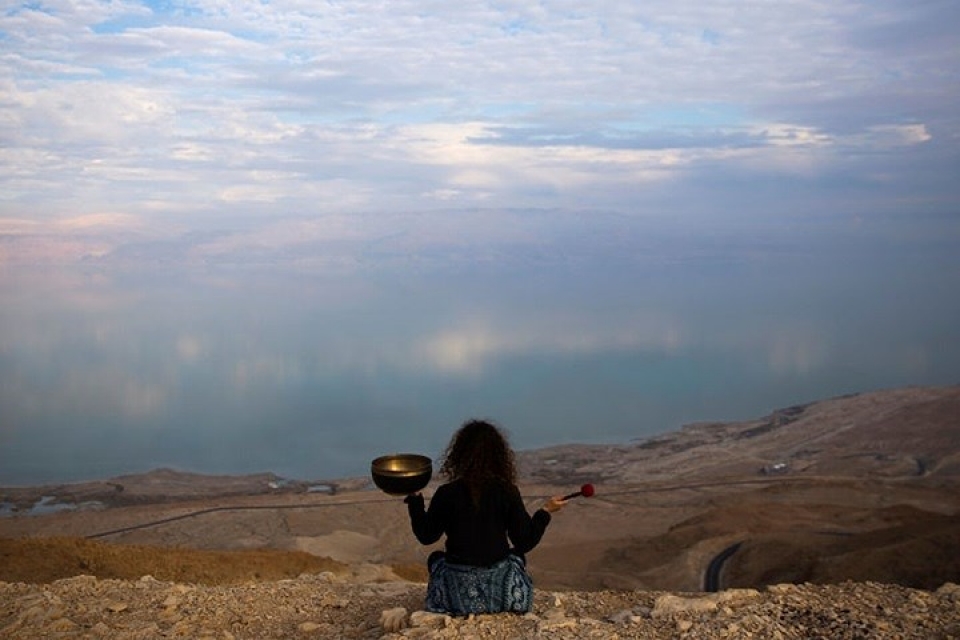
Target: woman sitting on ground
[(482, 514)]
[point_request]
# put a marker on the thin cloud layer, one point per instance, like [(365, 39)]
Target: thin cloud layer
[(186, 115)]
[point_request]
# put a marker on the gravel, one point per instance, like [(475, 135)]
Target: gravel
[(326, 605)]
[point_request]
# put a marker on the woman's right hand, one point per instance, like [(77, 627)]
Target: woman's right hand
[(554, 504)]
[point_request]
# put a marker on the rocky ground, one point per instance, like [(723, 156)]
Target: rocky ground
[(327, 606)]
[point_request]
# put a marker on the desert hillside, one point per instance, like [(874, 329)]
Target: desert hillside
[(855, 501)]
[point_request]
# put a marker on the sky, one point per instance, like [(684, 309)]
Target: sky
[(228, 130)]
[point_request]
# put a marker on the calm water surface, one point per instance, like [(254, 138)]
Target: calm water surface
[(311, 372)]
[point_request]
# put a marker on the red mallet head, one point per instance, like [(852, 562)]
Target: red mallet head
[(586, 491)]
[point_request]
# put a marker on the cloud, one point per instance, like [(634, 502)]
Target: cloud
[(899, 135), (98, 221), (211, 110)]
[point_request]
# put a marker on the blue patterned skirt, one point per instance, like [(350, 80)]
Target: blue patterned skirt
[(460, 590)]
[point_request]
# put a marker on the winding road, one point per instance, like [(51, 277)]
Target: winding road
[(711, 577)]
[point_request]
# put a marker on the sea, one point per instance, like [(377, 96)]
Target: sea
[(309, 367)]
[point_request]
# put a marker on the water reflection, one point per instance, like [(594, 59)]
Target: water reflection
[(231, 370)]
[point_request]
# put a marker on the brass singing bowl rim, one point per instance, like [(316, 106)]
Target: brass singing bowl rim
[(402, 465)]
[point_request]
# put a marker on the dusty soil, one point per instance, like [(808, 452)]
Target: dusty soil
[(326, 606)]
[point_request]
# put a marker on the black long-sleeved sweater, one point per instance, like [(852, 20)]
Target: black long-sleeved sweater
[(478, 535)]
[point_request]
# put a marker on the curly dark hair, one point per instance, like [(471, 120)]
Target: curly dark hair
[(479, 452)]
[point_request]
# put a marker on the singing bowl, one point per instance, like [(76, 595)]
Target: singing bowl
[(401, 474)]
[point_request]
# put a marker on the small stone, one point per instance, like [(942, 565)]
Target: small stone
[(781, 588), (920, 599), (430, 620), (117, 607), (554, 614), (323, 576), (308, 627), (32, 615), (556, 619), (669, 604), (62, 625), (169, 616), (333, 601), (152, 630), (393, 620), (182, 628), (621, 617), (684, 625), (950, 591), (100, 630)]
